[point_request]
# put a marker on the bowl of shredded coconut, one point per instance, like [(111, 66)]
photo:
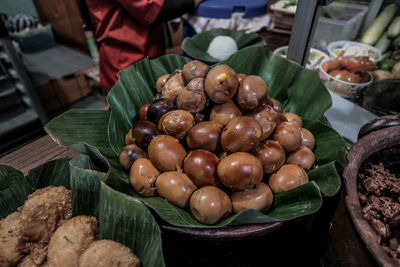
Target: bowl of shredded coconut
[(219, 44)]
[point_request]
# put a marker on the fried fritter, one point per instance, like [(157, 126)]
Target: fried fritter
[(44, 211), (28, 261), (11, 250), (108, 253), (37, 253), (70, 240)]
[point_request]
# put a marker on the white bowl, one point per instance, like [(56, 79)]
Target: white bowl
[(374, 53), (282, 51), (345, 89)]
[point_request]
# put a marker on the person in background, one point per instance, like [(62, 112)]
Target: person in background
[(130, 30)]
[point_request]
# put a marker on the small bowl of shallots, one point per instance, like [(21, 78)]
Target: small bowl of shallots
[(347, 76)]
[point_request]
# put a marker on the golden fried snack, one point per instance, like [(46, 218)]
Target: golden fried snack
[(70, 240), (28, 261), (37, 253), (108, 253), (44, 211), (11, 250)]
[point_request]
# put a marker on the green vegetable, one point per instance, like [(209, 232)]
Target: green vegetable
[(379, 25), (394, 28), (386, 55), (396, 42), (387, 64), (383, 43)]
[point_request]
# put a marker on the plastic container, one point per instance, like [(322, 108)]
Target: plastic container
[(338, 21), (223, 9), (334, 48)]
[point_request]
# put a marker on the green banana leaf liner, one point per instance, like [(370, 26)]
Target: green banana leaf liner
[(100, 133), (121, 218), (196, 46)]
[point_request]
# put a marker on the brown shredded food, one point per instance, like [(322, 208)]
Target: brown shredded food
[(379, 194)]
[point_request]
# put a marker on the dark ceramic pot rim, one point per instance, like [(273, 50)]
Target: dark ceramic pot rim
[(365, 147), (228, 233)]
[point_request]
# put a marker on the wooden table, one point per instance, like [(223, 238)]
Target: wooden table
[(36, 153)]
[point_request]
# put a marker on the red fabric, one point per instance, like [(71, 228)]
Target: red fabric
[(126, 34)]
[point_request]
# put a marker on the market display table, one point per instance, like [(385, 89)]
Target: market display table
[(344, 247)]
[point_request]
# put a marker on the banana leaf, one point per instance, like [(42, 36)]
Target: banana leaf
[(300, 90), (85, 187), (14, 190), (139, 231), (196, 46), (15, 187), (300, 201), (121, 218), (125, 219)]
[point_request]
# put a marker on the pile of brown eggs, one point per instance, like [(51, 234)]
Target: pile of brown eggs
[(210, 139)]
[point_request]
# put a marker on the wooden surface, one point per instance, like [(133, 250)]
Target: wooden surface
[(36, 153)]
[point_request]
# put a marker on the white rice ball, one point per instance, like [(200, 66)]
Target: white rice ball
[(222, 47)]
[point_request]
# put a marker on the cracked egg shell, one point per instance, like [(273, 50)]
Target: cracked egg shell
[(161, 81), (192, 98), (176, 123), (224, 113), (173, 85), (194, 69)]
